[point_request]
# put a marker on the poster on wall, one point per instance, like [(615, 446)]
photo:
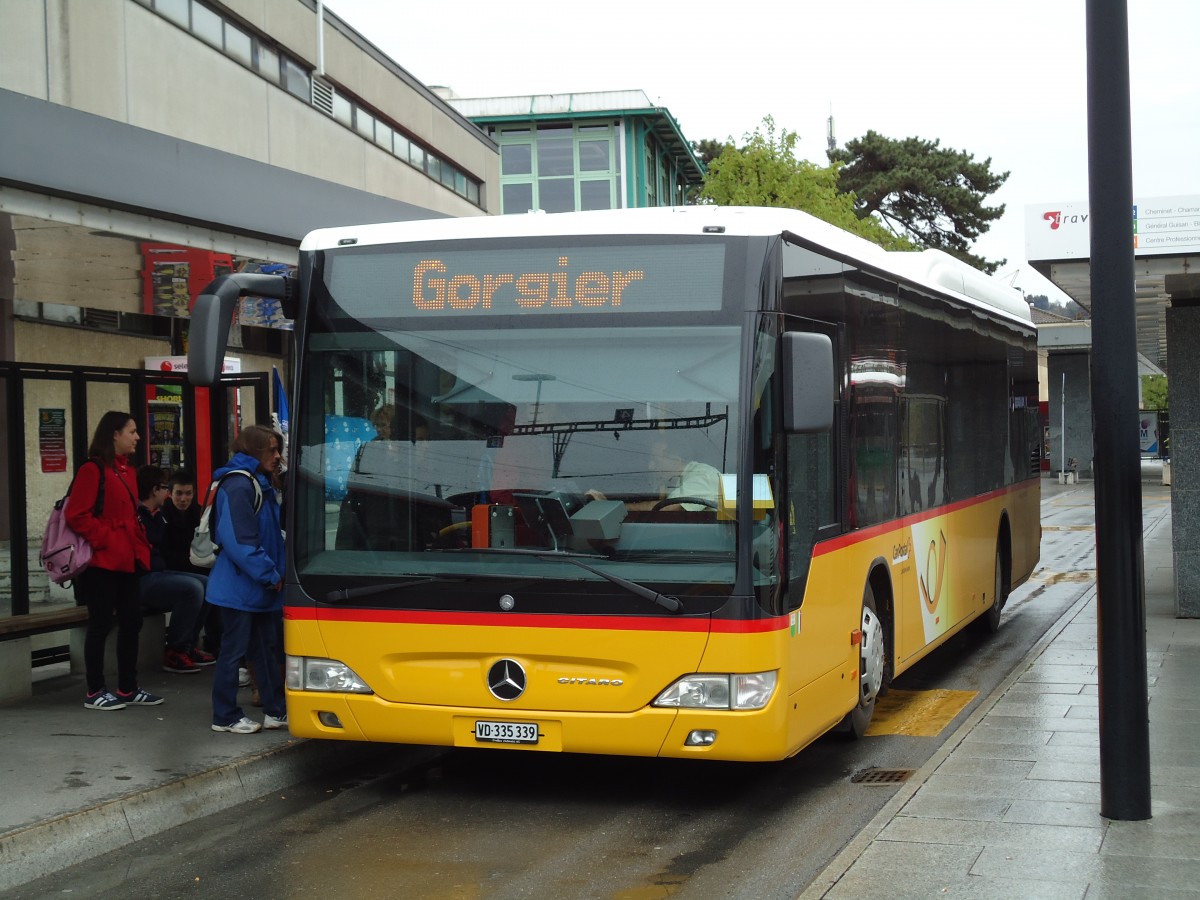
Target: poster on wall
[(174, 275), (166, 437), (1148, 433), (52, 439)]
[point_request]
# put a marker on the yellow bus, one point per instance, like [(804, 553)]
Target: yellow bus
[(691, 482)]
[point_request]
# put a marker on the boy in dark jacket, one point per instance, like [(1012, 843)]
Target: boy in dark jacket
[(181, 515), (179, 593)]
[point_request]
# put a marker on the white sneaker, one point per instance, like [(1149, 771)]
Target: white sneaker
[(271, 722), (243, 677), (241, 726)]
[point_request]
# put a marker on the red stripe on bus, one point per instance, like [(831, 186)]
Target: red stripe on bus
[(519, 620), (866, 534)]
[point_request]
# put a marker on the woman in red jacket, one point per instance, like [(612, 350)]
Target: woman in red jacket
[(120, 553)]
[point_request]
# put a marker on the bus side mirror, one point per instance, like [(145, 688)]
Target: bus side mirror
[(808, 382), (208, 334)]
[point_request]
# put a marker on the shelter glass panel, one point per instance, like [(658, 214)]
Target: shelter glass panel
[(48, 473)]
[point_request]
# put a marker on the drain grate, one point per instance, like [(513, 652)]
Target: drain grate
[(881, 776)]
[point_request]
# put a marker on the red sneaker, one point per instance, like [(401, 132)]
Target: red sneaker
[(201, 657), (179, 662)]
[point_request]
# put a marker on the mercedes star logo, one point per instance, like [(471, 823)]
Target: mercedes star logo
[(506, 680)]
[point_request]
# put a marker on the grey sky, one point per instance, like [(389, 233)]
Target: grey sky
[(1004, 80)]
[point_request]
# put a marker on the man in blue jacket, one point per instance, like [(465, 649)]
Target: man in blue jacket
[(247, 580)]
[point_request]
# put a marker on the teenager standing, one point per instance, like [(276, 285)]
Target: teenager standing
[(247, 580), (120, 552)]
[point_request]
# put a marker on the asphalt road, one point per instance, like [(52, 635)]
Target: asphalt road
[(475, 824)]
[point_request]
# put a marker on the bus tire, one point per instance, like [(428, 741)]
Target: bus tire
[(990, 620), (872, 665)]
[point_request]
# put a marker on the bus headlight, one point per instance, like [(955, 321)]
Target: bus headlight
[(749, 691), (309, 673)]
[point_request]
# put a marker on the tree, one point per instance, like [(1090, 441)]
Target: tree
[(933, 195), (1154, 392), (708, 149), (765, 172)]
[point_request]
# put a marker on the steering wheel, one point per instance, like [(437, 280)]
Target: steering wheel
[(672, 501)]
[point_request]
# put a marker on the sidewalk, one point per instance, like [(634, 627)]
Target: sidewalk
[(77, 783), (1010, 806)]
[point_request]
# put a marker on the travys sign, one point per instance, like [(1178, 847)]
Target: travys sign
[(1161, 226)]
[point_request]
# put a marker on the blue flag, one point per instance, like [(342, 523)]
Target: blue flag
[(281, 404)]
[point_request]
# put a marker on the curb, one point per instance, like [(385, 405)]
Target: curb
[(832, 873), (48, 847)]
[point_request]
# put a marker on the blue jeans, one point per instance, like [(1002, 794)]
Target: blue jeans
[(182, 595), (253, 636)]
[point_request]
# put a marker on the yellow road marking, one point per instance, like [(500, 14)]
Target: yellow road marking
[(1077, 577), (917, 713)]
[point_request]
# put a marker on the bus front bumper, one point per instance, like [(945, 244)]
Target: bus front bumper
[(742, 736)]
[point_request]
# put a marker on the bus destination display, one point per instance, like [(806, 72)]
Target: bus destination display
[(654, 278)]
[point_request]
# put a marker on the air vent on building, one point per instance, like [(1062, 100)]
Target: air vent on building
[(104, 319), (322, 96)]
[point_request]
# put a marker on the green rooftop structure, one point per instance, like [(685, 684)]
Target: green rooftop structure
[(596, 150)]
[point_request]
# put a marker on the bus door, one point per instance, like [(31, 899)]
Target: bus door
[(815, 496)]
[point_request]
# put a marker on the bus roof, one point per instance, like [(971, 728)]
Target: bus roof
[(929, 268)]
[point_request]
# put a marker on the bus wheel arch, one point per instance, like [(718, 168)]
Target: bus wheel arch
[(989, 622), (875, 652)]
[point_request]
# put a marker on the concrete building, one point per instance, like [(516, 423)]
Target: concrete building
[(228, 127), (598, 150), (145, 147)]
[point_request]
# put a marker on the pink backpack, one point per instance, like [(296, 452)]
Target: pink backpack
[(65, 553)]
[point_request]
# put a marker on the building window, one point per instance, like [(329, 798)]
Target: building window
[(401, 147), (239, 45), (555, 151), (175, 10), (516, 198), (594, 156), (266, 62), (556, 194), (206, 25), (596, 194), (295, 80), (516, 159), (651, 175), (557, 167), (364, 123), (343, 111), (383, 136)]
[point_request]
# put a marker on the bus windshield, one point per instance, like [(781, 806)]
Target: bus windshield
[(486, 451)]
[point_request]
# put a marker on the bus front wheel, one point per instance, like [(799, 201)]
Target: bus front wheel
[(871, 666)]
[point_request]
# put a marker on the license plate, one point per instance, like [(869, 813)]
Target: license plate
[(506, 732)]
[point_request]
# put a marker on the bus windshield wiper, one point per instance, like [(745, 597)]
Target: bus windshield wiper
[(343, 594), (666, 601)]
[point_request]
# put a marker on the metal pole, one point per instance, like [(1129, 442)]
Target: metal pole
[(321, 38), (1120, 588), (1062, 413)]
